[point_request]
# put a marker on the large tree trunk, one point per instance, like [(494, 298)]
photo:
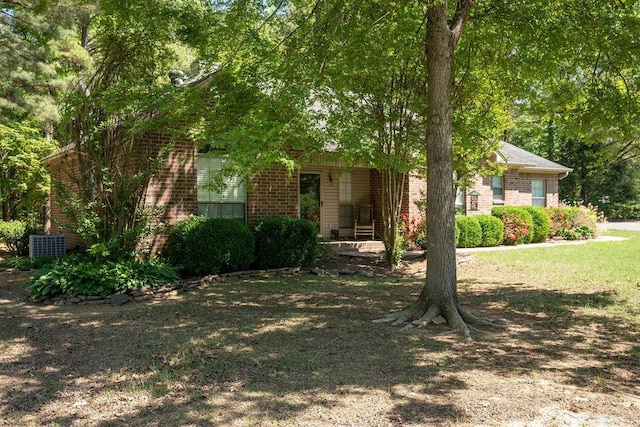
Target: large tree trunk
[(439, 294)]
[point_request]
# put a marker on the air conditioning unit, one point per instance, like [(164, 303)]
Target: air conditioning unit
[(54, 245)]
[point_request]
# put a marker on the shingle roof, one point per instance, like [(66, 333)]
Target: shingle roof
[(525, 161)]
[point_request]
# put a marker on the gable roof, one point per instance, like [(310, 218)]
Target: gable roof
[(524, 161)]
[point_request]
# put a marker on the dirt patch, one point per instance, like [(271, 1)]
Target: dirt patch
[(303, 351)]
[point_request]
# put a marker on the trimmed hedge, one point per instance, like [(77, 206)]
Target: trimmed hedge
[(518, 224), (492, 230), (285, 242), (541, 223), (201, 245), (470, 232)]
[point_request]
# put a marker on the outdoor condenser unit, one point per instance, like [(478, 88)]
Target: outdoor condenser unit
[(54, 245)]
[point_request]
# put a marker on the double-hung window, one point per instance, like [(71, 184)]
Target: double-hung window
[(497, 185), (538, 192), (345, 190), (220, 197)]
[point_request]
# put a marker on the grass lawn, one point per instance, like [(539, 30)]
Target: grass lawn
[(303, 351)]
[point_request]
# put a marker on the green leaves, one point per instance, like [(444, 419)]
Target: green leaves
[(24, 182), (73, 275)]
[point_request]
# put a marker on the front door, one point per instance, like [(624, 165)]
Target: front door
[(310, 198)]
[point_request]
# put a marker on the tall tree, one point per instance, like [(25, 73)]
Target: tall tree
[(24, 182), (125, 93), (38, 55), (439, 294)]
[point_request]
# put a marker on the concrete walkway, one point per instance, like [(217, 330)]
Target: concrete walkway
[(549, 244), (620, 225)]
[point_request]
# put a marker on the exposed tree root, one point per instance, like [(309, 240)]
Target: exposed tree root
[(459, 319)]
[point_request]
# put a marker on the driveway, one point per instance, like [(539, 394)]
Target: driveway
[(620, 225)]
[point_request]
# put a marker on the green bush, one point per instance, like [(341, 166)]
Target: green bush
[(78, 275), (285, 242), (201, 245), (518, 224), (25, 263), (621, 210), (573, 222), (470, 232), (15, 234), (541, 223), (492, 230)]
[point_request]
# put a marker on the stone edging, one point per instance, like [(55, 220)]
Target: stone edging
[(146, 294)]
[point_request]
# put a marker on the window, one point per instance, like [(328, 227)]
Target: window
[(345, 191), (538, 192), (460, 192), (497, 185), (221, 199)]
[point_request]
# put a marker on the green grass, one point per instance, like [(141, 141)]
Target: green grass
[(302, 350), (603, 275)]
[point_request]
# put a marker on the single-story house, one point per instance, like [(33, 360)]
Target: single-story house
[(328, 195)]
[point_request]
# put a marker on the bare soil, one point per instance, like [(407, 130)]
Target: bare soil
[(303, 351)]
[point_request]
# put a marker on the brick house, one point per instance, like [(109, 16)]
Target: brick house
[(529, 180), (327, 194)]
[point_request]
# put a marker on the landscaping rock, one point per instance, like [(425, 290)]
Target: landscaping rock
[(120, 299)]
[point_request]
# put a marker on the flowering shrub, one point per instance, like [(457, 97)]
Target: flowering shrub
[(573, 222), (518, 224), (413, 232)]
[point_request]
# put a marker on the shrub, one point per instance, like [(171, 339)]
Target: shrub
[(201, 245), (414, 232), (621, 210), (77, 275), (492, 230), (25, 263), (15, 234), (285, 242), (518, 224), (561, 219), (541, 223), (573, 222), (470, 231)]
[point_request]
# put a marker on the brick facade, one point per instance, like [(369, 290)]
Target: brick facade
[(517, 191), (272, 193), (173, 190)]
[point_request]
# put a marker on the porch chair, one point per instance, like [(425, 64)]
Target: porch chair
[(365, 225)]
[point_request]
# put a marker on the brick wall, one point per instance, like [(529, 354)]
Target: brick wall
[(172, 192), (272, 193), (415, 191), (61, 169), (517, 191)]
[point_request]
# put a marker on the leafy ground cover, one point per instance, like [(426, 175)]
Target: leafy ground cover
[(303, 351)]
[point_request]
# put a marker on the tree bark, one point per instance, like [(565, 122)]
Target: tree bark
[(439, 296)]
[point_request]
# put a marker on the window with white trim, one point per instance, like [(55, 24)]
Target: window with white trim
[(345, 196), (538, 192), (497, 186), (225, 199)]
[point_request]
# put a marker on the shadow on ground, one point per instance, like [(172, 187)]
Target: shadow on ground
[(276, 350)]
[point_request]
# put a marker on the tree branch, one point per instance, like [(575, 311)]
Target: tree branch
[(459, 19)]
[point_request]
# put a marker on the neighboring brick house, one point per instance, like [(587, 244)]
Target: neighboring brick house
[(529, 180), (329, 195)]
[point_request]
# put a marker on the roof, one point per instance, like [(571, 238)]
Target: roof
[(525, 161), (59, 152)]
